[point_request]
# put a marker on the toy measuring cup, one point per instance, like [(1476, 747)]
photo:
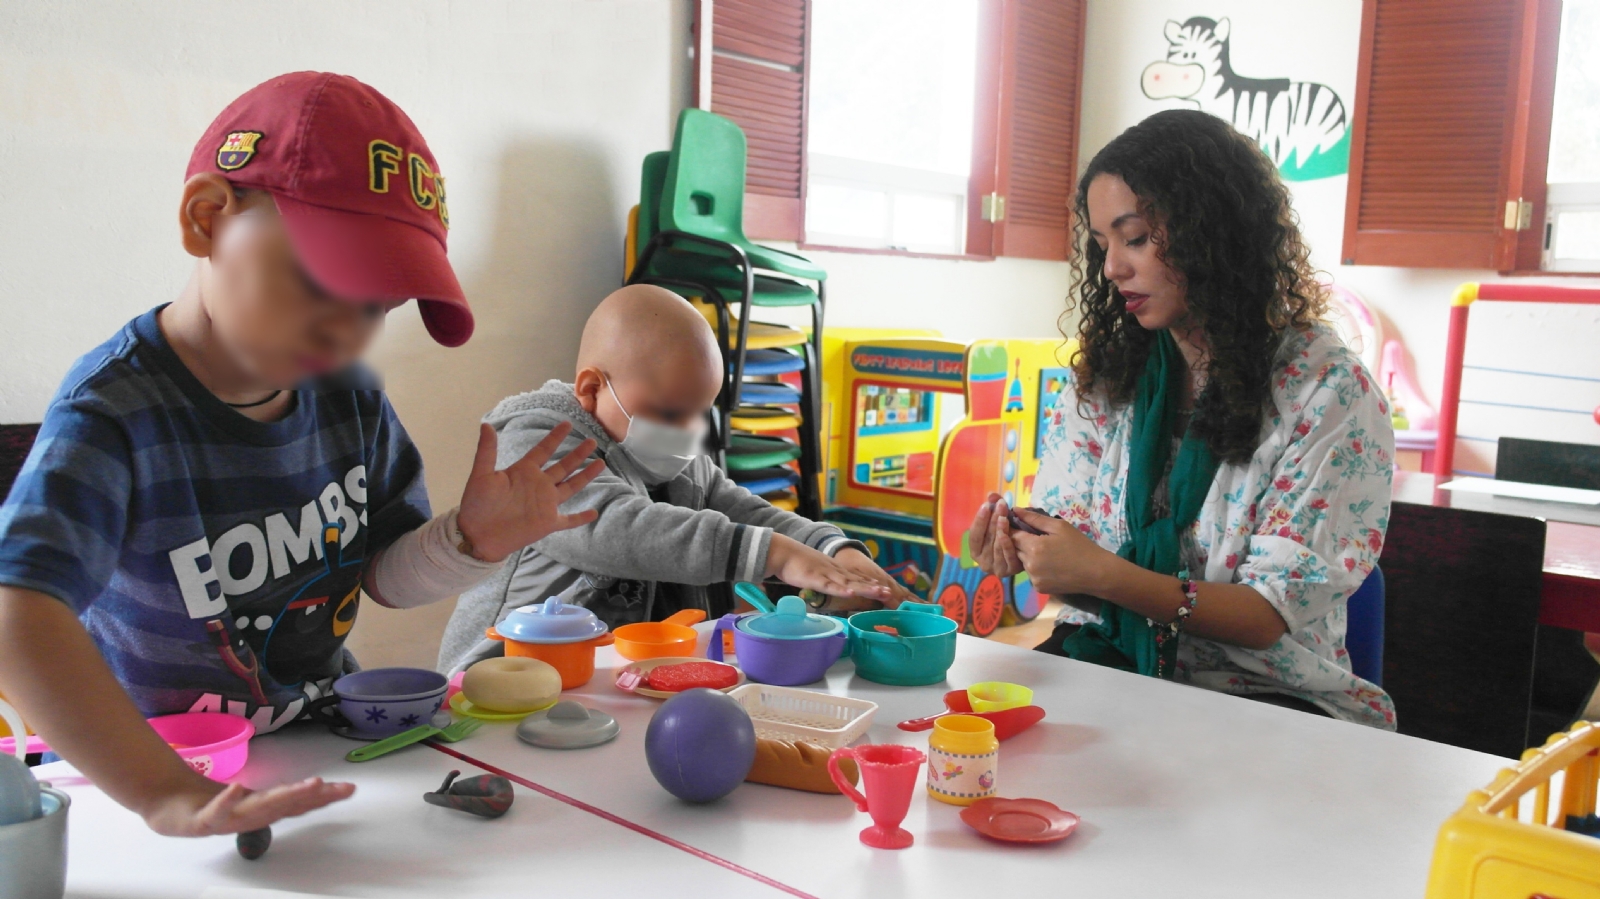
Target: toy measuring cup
[(888, 776), (996, 696)]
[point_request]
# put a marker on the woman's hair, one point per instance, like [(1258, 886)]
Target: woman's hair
[(1220, 218)]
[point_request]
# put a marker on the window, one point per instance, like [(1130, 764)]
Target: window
[(1474, 136), (891, 175), (1572, 204), (935, 126)]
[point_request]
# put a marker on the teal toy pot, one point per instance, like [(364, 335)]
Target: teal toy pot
[(919, 650)]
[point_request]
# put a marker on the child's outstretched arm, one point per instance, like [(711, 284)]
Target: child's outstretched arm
[(52, 672), (799, 565)]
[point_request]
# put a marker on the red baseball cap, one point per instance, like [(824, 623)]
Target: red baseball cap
[(359, 192)]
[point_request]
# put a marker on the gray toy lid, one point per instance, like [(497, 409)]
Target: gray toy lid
[(568, 725)]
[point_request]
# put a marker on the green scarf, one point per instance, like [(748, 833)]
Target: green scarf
[(1124, 639)]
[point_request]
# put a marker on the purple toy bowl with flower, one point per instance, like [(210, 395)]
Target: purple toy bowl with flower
[(779, 661), (214, 744), (381, 702)]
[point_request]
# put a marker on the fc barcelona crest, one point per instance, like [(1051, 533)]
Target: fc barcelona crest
[(238, 149)]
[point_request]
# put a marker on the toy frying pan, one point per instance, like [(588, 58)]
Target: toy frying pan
[(1007, 724)]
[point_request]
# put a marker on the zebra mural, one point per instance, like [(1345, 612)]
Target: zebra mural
[(1301, 125)]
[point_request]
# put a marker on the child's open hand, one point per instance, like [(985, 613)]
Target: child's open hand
[(504, 511), (234, 809), (799, 565), (860, 563)]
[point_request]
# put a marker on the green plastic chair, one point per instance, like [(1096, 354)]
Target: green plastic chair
[(704, 193), (747, 452), (696, 268)]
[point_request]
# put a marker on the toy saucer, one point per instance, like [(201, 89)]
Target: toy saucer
[(463, 706), (1020, 820), (349, 732), (568, 725), (644, 668)]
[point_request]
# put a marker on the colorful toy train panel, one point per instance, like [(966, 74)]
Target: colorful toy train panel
[(920, 432)]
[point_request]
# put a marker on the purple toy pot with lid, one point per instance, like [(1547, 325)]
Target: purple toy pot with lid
[(786, 648)]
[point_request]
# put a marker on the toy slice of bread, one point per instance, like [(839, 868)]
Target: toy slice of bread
[(797, 765)]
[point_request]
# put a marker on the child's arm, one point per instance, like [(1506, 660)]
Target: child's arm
[(739, 504), (52, 672)]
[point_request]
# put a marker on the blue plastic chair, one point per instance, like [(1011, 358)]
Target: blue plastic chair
[(1363, 637)]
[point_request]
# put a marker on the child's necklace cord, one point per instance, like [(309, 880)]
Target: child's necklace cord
[(270, 397)]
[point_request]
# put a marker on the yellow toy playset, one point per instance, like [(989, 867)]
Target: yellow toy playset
[(1504, 840), (919, 431)]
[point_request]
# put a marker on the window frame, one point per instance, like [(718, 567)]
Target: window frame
[(994, 125), (1514, 243)]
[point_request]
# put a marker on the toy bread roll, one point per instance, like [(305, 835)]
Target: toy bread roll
[(797, 765)]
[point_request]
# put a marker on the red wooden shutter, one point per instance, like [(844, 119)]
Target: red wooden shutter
[(758, 79), (1030, 65), (1451, 124)]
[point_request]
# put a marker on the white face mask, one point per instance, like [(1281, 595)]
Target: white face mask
[(662, 451)]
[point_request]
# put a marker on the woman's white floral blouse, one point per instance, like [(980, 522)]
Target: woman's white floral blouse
[(1302, 522)]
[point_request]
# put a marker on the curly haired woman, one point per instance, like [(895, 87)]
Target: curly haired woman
[(1217, 474)]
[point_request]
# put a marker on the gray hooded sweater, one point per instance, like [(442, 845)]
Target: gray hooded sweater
[(708, 531)]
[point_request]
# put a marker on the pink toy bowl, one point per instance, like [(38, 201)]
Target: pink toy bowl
[(212, 743)]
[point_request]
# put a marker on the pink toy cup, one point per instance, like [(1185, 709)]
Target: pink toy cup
[(213, 743), (889, 774)]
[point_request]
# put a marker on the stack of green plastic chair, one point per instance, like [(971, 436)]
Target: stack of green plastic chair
[(690, 238)]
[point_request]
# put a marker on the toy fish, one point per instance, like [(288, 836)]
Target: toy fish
[(487, 795)]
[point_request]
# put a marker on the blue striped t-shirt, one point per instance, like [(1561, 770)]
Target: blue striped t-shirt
[(215, 560)]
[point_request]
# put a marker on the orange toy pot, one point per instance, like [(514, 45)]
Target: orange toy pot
[(660, 639), (561, 635)]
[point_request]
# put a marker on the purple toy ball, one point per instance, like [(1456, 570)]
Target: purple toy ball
[(700, 745)]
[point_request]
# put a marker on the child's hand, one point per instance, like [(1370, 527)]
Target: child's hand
[(861, 563), (799, 565), (206, 811), (504, 511)]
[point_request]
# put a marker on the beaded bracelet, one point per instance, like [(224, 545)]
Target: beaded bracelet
[(1191, 596), (1168, 632)]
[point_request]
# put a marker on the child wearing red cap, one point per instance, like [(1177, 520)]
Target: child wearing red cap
[(214, 486)]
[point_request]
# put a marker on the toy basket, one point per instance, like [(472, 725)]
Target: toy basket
[(1505, 842), (784, 713)]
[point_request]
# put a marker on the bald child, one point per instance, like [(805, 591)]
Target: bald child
[(672, 530)]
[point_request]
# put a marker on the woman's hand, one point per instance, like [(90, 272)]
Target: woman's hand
[(990, 539), (1063, 560)]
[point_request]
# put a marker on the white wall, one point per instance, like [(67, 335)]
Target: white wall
[(964, 300), (1305, 41), (537, 110)]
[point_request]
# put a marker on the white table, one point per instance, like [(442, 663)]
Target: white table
[(1182, 793)]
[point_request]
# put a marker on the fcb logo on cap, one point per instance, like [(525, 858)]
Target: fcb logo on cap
[(238, 149)]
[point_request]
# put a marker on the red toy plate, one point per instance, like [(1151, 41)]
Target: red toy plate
[(1020, 820)]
